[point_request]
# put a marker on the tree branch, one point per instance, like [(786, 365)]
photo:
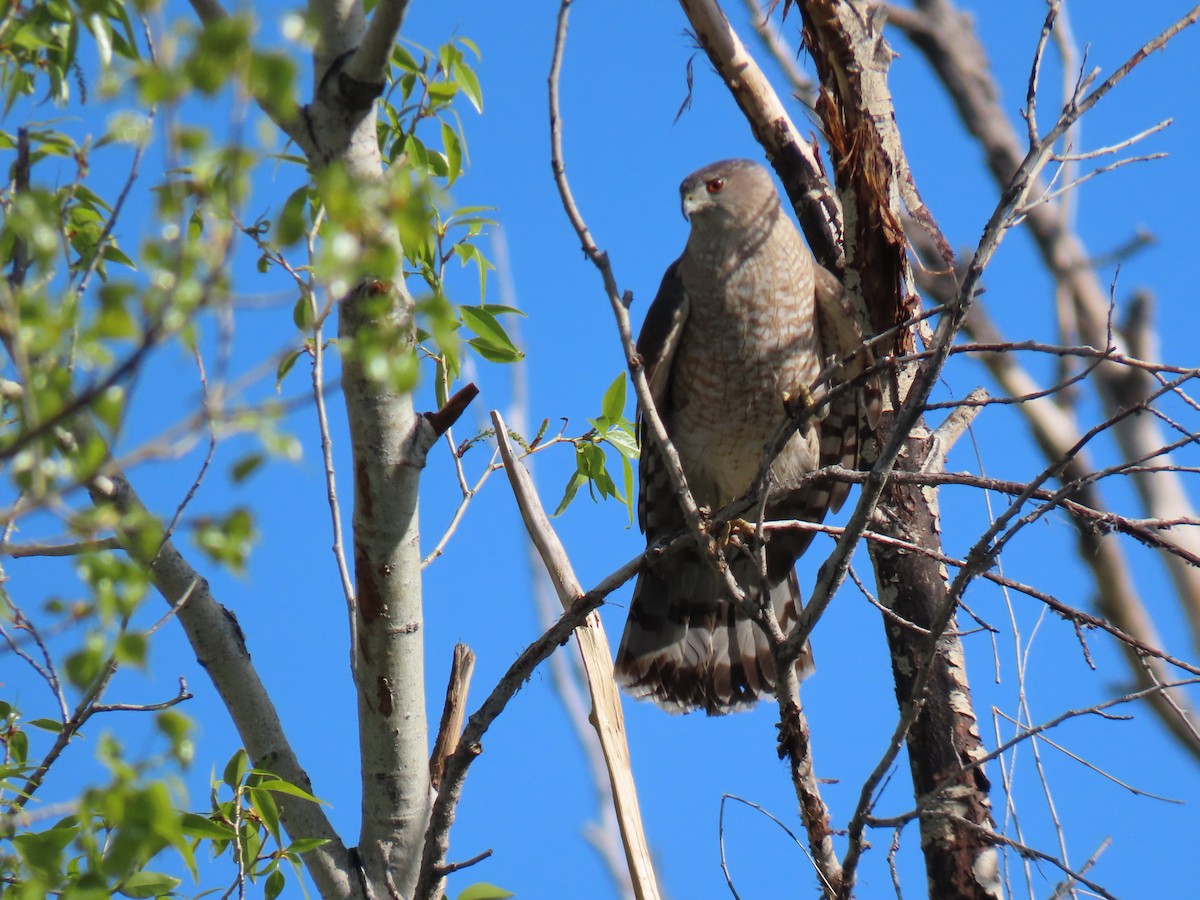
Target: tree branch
[(947, 39), (577, 616), (606, 715), (220, 649), (370, 62), (389, 442)]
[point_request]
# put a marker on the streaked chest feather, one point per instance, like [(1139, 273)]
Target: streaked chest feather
[(749, 337)]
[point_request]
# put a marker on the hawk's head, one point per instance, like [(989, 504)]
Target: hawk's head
[(733, 193)]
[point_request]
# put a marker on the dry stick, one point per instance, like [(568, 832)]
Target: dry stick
[(1064, 887), (944, 34), (1028, 734), (566, 669), (19, 551), (453, 712), (569, 679), (597, 662), (437, 836), (1116, 590), (721, 833)]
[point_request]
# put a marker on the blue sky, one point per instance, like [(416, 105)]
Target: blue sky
[(528, 797)]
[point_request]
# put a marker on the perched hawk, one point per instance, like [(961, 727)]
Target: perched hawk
[(742, 319)]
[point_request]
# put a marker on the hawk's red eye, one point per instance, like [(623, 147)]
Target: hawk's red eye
[(714, 185)]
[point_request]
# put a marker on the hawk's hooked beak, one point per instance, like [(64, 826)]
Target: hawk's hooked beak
[(692, 202)]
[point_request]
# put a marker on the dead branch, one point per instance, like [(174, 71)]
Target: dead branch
[(606, 716), (947, 39), (453, 712)]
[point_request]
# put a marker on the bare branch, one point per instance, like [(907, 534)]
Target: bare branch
[(20, 551), (371, 60), (829, 889), (606, 715), (469, 746), (220, 648), (453, 712), (948, 40), (803, 88)]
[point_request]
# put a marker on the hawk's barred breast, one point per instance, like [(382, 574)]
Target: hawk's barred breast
[(734, 327)]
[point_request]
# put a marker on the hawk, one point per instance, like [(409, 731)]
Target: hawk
[(743, 319)]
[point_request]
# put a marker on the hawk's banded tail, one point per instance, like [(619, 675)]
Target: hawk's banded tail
[(687, 647)]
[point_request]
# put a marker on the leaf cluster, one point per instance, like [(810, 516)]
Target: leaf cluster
[(609, 430)]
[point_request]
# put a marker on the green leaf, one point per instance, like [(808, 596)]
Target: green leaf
[(42, 851), (52, 725), (497, 309), (292, 224), (148, 884), (577, 481), (285, 366), (302, 314), (103, 35), (481, 890), (274, 885), (264, 804), (467, 252), (303, 845), (227, 541), (494, 343), (245, 467), (198, 826), (112, 253), (84, 665), (402, 58), (279, 786), (628, 470), (468, 82), (623, 441), (235, 769), (612, 407), (18, 747), (442, 92), (272, 80), (131, 647), (454, 153), (495, 354)]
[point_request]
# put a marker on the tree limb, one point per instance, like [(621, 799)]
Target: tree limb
[(606, 715)]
